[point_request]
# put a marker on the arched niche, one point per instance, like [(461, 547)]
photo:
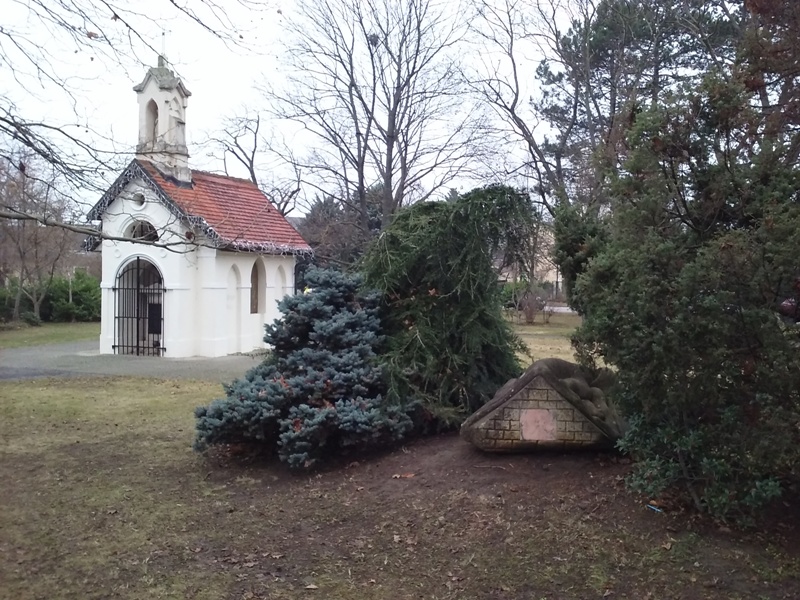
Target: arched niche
[(233, 308), (281, 283), (151, 122), (258, 287)]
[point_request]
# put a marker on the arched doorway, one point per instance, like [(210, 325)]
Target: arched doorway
[(139, 310), (151, 124)]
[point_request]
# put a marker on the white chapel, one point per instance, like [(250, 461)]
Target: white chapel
[(194, 263)]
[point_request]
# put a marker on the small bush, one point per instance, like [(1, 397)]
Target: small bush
[(321, 390), (6, 304), (31, 319), (8, 297), (511, 292), (84, 304)]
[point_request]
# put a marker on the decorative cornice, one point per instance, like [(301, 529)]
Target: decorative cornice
[(165, 79)]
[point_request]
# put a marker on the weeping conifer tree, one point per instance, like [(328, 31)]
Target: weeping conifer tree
[(449, 346)]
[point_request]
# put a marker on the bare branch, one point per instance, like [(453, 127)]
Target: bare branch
[(114, 34), (375, 88)]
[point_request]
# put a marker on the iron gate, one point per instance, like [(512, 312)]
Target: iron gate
[(139, 314)]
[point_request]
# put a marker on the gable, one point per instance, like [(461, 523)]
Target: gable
[(231, 213), (553, 403), (537, 415), (133, 175), (137, 202)]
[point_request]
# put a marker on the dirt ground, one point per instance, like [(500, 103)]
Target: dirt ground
[(438, 519), (102, 497)]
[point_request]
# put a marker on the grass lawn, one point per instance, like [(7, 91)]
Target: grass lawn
[(102, 497), (49, 333), (549, 340)]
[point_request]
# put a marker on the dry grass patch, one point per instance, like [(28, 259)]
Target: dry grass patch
[(102, 497), (96, 473), (50, 333), (552, 339)]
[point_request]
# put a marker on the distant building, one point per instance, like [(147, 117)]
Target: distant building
[(193, 263)]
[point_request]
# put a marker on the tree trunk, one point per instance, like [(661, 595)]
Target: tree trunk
[(17, 302)]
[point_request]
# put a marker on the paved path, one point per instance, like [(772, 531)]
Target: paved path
[(82, 358), (562, 309)]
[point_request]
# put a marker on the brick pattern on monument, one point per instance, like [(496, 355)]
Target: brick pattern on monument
[(502, 430)]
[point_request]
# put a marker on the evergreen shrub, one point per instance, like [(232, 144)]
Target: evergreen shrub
[(684, 304), (8, 298), (448, 344), (30, 318), (322, 389), (6, 304), (85, 304), (56, 306)]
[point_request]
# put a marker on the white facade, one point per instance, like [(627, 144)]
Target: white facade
[(194, 291), (207, 299)]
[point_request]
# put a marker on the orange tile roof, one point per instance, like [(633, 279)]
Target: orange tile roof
[(235, 209)]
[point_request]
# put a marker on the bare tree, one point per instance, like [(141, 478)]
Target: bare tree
[(333, 233), (33, 39), (334, 229), (34, 253), (243, 141), (374, 86), (566, 78), (513, 35)]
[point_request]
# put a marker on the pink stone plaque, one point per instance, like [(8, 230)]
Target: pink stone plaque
[(537, 424)]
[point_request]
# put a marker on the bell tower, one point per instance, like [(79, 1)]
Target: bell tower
[(162, 121)]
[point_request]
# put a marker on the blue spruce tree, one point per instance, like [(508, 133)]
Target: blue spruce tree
[(321, 390)]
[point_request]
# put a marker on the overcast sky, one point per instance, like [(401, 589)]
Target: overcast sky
[(219, 75), (98, 91)]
